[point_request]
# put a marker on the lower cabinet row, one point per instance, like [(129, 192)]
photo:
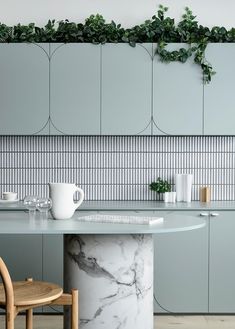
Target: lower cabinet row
[(194, 270), (34, 256)]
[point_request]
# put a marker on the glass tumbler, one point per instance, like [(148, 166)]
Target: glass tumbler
[(30, 202), (44, 205)]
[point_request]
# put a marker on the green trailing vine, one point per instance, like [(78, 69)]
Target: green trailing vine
[(189, 32), (160, 29)]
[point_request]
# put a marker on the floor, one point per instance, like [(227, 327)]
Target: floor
[(161, 322)]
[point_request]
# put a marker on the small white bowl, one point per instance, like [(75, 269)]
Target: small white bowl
[(10, 196)]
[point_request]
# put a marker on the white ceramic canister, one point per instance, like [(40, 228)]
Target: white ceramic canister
[(183, 183)]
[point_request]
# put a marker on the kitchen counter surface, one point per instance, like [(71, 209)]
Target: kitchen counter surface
[(137, 206), (13, 222)]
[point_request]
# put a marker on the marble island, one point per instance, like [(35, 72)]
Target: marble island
[(110, 264)]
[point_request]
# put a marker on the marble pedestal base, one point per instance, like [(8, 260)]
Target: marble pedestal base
[(114, 275)]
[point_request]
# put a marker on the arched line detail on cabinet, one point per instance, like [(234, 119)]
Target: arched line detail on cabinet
[(48, 57), (48, 119), (154, 123), (44, 51), (150, 55), (57, 128), (51, 54), (152, 98), (47, 122), (151, 58), (55, 50), (144, 128), (52, 119)]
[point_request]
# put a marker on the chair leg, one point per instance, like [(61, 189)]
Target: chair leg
[(29, 319), (10, 318), (29, 313), (74, 310)]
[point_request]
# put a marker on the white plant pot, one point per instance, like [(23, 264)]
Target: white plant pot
[(169, 197)]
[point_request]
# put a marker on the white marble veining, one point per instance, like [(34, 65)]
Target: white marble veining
[(114, 275)]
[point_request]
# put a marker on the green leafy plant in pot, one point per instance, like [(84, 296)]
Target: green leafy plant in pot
[(162, 186)]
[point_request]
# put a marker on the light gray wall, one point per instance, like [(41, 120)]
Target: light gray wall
[(127, 12)]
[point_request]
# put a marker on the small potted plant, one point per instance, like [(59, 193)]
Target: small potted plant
[(162, 186)]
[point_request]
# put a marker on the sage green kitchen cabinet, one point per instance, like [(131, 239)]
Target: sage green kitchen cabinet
[(181, 268), (24, 91), (222, 262), (36, 256), (52, 264), (113, 89), (22, 254), (53, 258), (219, 99), (177, 97), (126, 89), (75, 89)]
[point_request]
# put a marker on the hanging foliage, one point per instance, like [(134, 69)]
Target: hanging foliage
[(160, 29)]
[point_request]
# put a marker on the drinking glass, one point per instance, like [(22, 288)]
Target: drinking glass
[(44, 205), (30, 202)]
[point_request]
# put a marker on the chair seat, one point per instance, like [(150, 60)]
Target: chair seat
[(32, 292)]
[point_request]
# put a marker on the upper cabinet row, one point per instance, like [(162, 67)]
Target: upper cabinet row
[(113, 89)]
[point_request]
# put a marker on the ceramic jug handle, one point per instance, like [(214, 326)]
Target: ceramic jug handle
[(78, 203)]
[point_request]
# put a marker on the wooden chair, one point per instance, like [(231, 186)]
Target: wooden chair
[(25, 295)]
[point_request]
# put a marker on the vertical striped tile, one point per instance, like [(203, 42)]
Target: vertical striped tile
[(118, 167)]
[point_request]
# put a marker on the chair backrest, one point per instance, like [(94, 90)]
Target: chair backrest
[(7, 283)]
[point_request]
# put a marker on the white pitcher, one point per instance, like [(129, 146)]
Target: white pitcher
[(63, 205)]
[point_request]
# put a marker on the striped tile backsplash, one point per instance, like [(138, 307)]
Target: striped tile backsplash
[(116, 168)]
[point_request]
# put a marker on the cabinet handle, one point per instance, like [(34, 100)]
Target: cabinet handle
[(214, 214), (204, 214)]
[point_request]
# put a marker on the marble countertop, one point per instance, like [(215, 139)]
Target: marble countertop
[(13, 222), (137, 206)]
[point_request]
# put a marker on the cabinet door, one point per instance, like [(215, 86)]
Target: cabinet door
[(126, 89), (23, 256), (177, 97), (24, 92), (219, 93), (53, 258), (181, 269), (222, 263), (75, 89)]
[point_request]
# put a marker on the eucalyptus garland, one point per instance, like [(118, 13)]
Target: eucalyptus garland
[(160, 29)]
